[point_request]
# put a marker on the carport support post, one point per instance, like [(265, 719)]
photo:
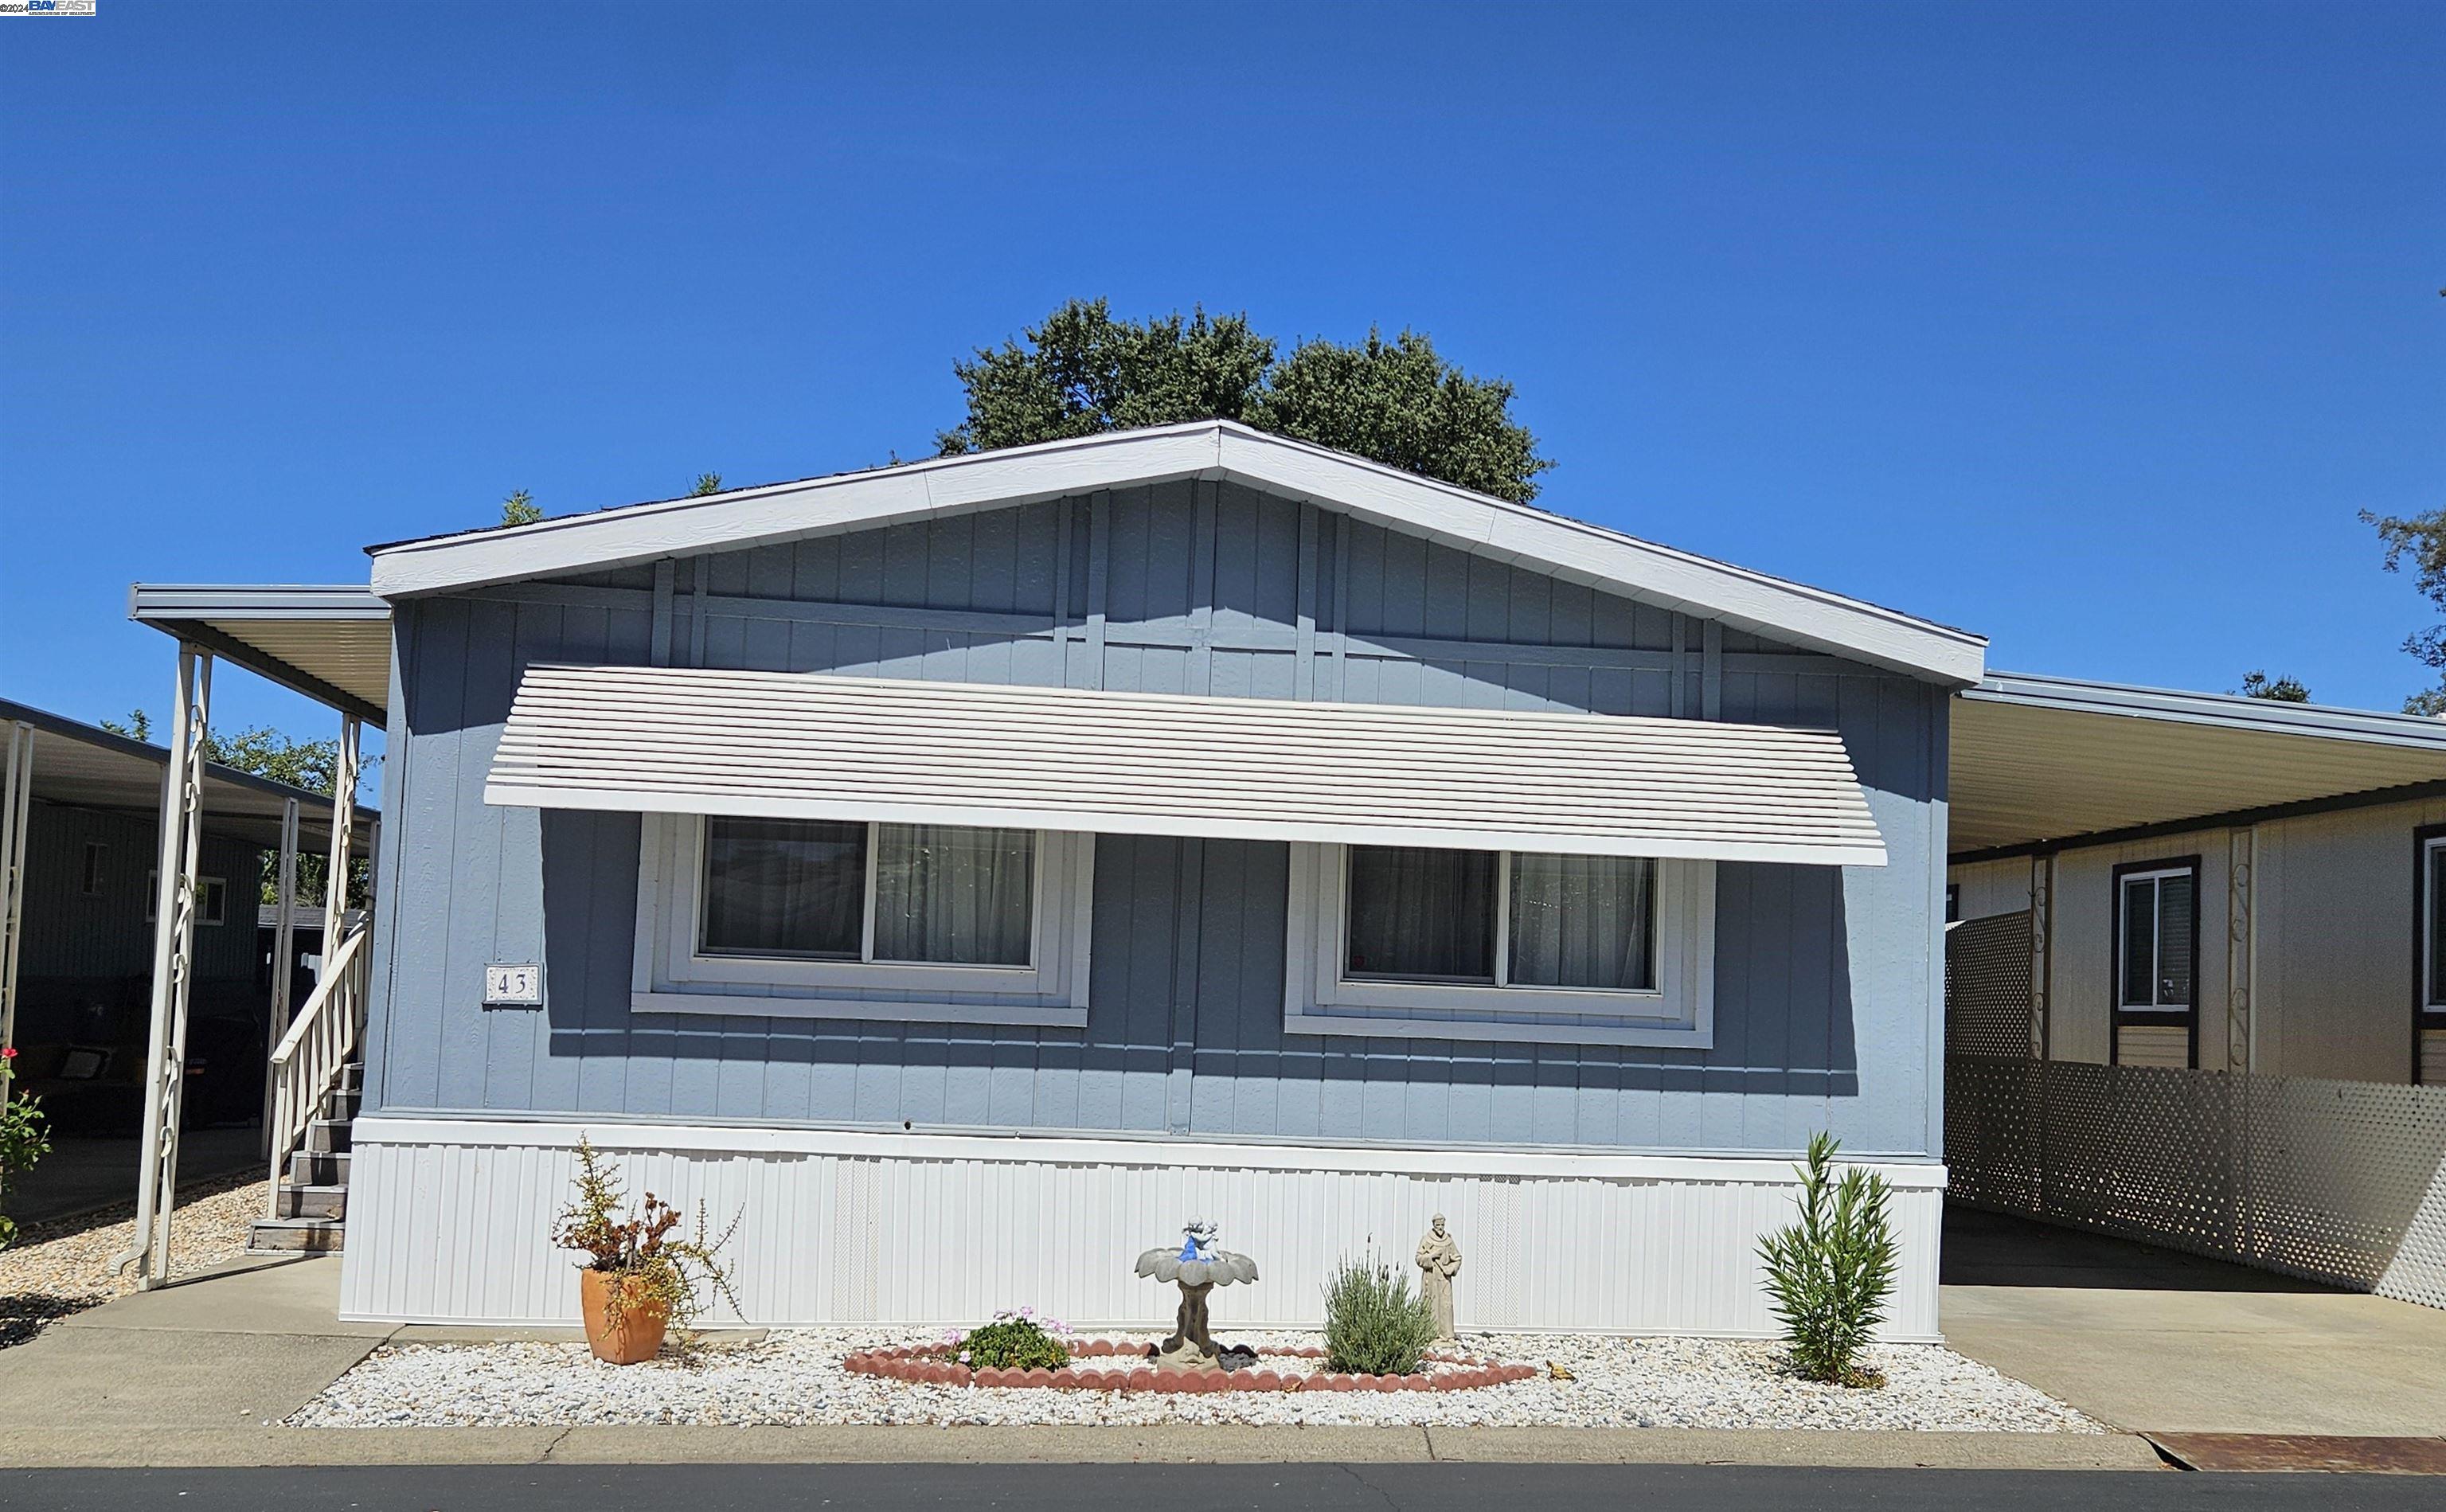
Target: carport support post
[(284, 952), (173, 941), (343, 834), (14, 801)]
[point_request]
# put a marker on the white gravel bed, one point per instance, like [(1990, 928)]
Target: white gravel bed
[(794, 1377), (62, 1267)]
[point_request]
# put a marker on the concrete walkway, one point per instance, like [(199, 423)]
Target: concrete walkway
[(2156, 1342)]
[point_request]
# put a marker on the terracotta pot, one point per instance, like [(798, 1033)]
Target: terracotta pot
[(640, 1333)]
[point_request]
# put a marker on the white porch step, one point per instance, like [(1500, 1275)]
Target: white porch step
[(279, 1235)]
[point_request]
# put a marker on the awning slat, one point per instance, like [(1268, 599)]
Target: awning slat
[(702, 740)]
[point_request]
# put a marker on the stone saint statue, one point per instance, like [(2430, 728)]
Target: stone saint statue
[(1438, 1262)]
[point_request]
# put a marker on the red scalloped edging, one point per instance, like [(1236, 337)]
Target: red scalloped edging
[(925, 1363)]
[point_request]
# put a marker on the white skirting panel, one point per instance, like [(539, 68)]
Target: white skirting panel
[(449, 1220)]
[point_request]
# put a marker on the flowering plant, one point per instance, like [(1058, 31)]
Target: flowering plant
[(1013, 1341), (21, 1140)]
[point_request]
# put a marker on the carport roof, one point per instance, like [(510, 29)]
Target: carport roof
[(2039, 762), (83, 766), (331, 642)]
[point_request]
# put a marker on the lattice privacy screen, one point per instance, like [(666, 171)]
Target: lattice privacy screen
[(1987, 985), (2339, 1182)]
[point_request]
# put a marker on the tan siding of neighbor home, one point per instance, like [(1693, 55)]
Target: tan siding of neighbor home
[(2336, 919), (2154, 1044), (1990, 888), (2332, 953)]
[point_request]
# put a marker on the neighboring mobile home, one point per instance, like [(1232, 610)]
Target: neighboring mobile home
[(2199, 881), (967, 871), (77, 967)]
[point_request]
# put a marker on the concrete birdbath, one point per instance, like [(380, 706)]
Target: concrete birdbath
[(1199, 1266)]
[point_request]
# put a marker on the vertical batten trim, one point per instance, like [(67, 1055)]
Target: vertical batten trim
[(1711, 676), (1677, 696), (1204, 526), (1180, 1015), (1304, 665), (698, 568), (1099, 543), (1939, 748), (1061, 588), (1341, 606), (666, 574)]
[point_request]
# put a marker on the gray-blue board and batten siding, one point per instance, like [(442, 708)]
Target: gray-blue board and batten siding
[(1827, 992)]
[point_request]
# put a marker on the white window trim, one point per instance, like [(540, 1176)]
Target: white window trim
[(671, 974), (204, 886), (1680, 1011), (2430, 1002), (2157, 937)]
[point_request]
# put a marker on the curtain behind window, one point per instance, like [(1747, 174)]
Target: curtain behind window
[(954, 896), (1416, 912), (1584, 922), (784, 887)]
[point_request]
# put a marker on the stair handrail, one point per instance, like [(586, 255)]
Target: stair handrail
[(307, 1063)]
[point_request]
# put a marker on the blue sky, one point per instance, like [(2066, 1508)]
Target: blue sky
[(2089, 329)]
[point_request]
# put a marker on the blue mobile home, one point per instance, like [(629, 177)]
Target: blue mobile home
[(1005, 857)]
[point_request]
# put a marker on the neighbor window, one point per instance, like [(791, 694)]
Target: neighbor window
[(854, 918), (211, 896), (823, 890), (1498, 944), (89, 878), (2155, 953), (2432, 922)]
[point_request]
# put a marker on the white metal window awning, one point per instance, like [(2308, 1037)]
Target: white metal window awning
[(699, 741)]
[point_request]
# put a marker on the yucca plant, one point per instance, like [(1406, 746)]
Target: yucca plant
[(1831, 1273), (1374, 1324)]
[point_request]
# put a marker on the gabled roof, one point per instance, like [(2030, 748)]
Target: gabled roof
[(1581, 553)]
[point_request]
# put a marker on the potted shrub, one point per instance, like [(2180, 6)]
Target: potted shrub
[(639, 1278)]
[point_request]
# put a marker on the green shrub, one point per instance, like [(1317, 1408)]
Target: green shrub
[(21, 1140), (1374, 1325), (1831, 1272), (1013, 1341)]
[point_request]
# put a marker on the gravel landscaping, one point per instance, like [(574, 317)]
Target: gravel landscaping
[(795, 1378), (56, 1269)]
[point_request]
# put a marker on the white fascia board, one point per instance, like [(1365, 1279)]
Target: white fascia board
[(225, 601), (1088, 818), (1789, 611), (2233, 711), (751, 517), (1785, 611)]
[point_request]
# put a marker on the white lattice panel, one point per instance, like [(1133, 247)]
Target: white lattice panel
[(2339, 1182)]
